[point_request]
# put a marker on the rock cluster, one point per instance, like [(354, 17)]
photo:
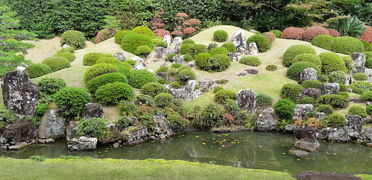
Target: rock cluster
[(187, 92), (119, 56), (306, 140), (82, 143), (267, 120), (330, 88), (52, 125), (301, 109), (308, 74), (18, 135), (92, 110), (246, 100)]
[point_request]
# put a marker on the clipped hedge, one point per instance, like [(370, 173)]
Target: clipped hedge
[(107, 60), (291, 91), (284, 108), (131, 42), (263, 43), (360, 87), (335, 100), (307, 57), (230, 47), (138, 78), (337, 77), (97, 70), (277, 33), (250, 61), (113, 93), (323, 41), (223, 95), (153, 88), (217, 63), (37, 70), (73, 38), (104, 79), (367, 96), (219, 50), (271, 67), (68, 55), (91, 58), (360, 76), (334, 120), (143, 51), (312, 84), (296, 69), (192, 49), (50, 86), (292, 33), (291, 53), (358, 110), (163, 100), (71, 101), (121, 34), (347, 45), (220, 36), (56, 63), (143, 30), (201, 59), (331, 62)]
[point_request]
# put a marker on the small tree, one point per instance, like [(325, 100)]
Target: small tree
[(185, 26)]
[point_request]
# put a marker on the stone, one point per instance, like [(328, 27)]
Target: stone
[(251, 71), (306, 140), (179, 59), (308, 74), (206, 85), (252, 49), (301, 109), (298, 153), (349, 79), (241, 73), (235, 57), (92, 110), (160, 53), (71, 130), (354, 122), (46, 141), (18, 146), (190, 64), (175, 46), (52, 125), (366, 136), (359, 61), (267, 120), (19, 132), (240, 42), (330, 88), (369, 74), (119, 56), (19, 93), (188, 92), (246, 100), (133, 135), (162, 125), (167, 39), (325, 176), (311, 92), (82, 143), (65, 46), (320, 115), (333, 134), (140, 63)]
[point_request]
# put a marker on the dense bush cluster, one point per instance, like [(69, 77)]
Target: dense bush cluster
[(91, 58), (138, 78), (153, 88), (347, 45), (104, 79), (99, 69), (223, 95), (307, 57), (291, 53), (216, 63), (220, 36), (291, 91), (323, 41), (263, 43), (292, 33), (132, 42), (331, 62), (250, 61), (193, 49), (37, 70), (313, 31), (113, 93), (296, 69), (74, 39), (71, 100), (56, 63), (284, 108), (50, 86)]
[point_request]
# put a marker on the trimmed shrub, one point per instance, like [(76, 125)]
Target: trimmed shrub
[(325, 108), (263, 43), (153, 88), (104, 79), (292, 33), (175, 85), (74, 39), (335, 100), (131, 62), (40, 109), (108, 60), (223, 95), (202, 59), (121, 34), (358, 110), (277, 33), (217, 63), (291, 91), (217, 88), (123, 68), (323, 41), (296, 69), (219, 50), (367, 46), (184, 75), (230, 47), (312, 84), (99, 69), (360, 87), (187, 58), (113, 93), (284, 108), (68, 55), (250, 61), (143, 51), (160, 43), (143, 30), (71, 101), (67, 49), (176, 65), (211, 116), (367, 96), (323, 78), (331, 62), (291, 53), (337, 77), (92, 128), (306, 100), (91, 58), (220, 36), (170, 57), (360, 76), (144, 100), (56, 63), (333, 32), (188, 41), (271, 36), (368, 54), (163, 100), (138, 78), (193, 49), (306, 57), (271, 67), (369, 110), (50, 86), (347, 45), (131, 42), (334, 120), (311, 32), (263, 100), (37, 70), (349, 63)]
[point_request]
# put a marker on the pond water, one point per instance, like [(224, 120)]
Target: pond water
[(242, 149)]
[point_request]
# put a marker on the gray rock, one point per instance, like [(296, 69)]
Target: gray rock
[(359, 61), (167, 39), (162, 125), (140, 63), (306, 140), (206, 85), (333, 134), (369, 74), (134, 135), (246, 100), (240, 42), (179, 59), (236, 56), (355, 122), (320, 115), (92, 110), (301, 109), (186, 93), (298, 153), (251, 71), (252, 49), (308, 74), (366, 136), (311, 92), (160, 53), (19, 93), (18, 146), (82, 143), (46, 141), (267, 120), (330, 88), (119, 56), (19, 132), (175, 46), (71, 130), (52, 125)]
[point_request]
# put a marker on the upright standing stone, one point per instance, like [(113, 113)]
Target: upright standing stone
[(92, 110), (160, 53), (330, 88), (308, 74), (240, 42), (167, 39), (247, 100), (20, 94), (119, 56), (253, 49), (301, 109), (360, 61), (52, 125), (175, 46)]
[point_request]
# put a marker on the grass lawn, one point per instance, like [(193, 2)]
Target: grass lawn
[(346, 110), (91, 169), (73, 76)]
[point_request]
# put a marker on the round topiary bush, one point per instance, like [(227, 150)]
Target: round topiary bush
[(51, 85), (349, 63), (291, 91), (324, 108), (360, 76), (99, 69), (369, 63), (250, 61), (202, 59), (296, 69), (37, 70), (271, 36), (292, 33), (334, 120), (153, 88), (307, 57), (185, 75), (74, 39), (121, 34), (360, 87), (219, 50), (333, 32), (131, 42), (143, 30), (358, 110), (113, 93), (104, 79), (277, 33), (188, 41), (230, 47), (91, 58), (369, 110), (312, 84), (188, 57), (331, 62), (367, 96), (347, 45), (223, 95), (163, 100), (210, 116), (220, 36), (92, 128), (138, 78), (263, 43), (71, 101), (193, 49), (284, 108), (368, 54), (107, 60), (337, 77), (217, 63), (56, 63), (67, 49), (291, 53), (264, 101), (323, 41), (313, 31), (271, 67), (335, 100), (68, 55), (143, 51)]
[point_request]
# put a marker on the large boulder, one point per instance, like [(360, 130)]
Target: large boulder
[(267, 120), (246, 100), (330, 88), (306, 140), (301, 109), (133, 135), (333, 134), (311, 92), (359, 61), (160, 53), (308, 74), (71, 130), (175, 46), (187, 92), (119, 56), (82, 143), (92, 110), (19, 132), (366, 136), (20, 94), (162, 127), (52, 125), (240, 42)]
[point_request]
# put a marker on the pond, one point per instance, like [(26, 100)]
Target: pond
[(242, 149)]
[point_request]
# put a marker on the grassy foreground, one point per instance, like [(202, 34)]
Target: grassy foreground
[(127, 169)]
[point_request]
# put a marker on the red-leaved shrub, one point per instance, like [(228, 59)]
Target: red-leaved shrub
[(188, 30), (270, 36), (333, 32), (161, 32), (292, 33), (177, 33), (367, 35), (313, 31), (228, 118), (105, 34)]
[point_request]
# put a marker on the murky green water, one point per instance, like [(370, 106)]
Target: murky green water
[(242, 149)]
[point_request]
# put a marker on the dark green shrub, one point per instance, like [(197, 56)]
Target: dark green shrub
[(113, 93), (217, 63), (163, 100), (230, 47), (263, 100), (291, 53), (220, 36), (296, 69), (131, 42), (51, 85), (170, 57), (123, 68), (160, 42), (223, 95), (153, 88), (360, 76), (277, 33), (202, 59), (193, 49), (312, 84), (284, 108), (188, 41), (250, 61), (306, 57), (143, 99), (99, 69), (271, 67), (323, 78), (184, 75), (324, 41), (71, 100), (91, 58), (143, 51), (334, 120), (368, 54), (104, 79), (291, 91), (369, 110), (343, 87), (138, 78), (74, 39), (177, 122), (219, 50), (335, 100), (325, 108), (143, 30), (175, 85), (263, 43), (231, 106), (331, 62), (7, 116), (347, 45), (337, 77), (37, 70), (217, 88), (121, 34), (369, 63), (56, 63), (360, 87), (349, 63), (68, 49), (211, 116), (367, 96), (127, 108), (358, 110), (107, 60), (306, 100), (68, 55), (188, 57), (92, 128), (176, 65), (40, 109)]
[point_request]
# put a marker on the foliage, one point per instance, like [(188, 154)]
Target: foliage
[(284, 108), (325, 108), (349, 26), (250, 60), (347, 45), (292, 33), (163, 100), (271, 67), (291, 53), (143, 30), (331, 62), (324, 41), (229, 46), (113, 93), (337, 77), (184, 75), (121, 34), (138, 78), (223, 95), (297, 68), (360, 76), (367, 96), (73, 38), (170, 57), (56, 63), (313, 31), (312, 84), (91, 58), (37, 70), (335, 100), (68, 55), (40, 109), (358, 110), (277, 33), (7, 116), (360, 87), (291, 91), (185, 26), (50, 86), (219, 50), (334, 120), (201, 60), (97, 70), (263, 43), (131, 42), (211, 116), (367, 35), (349, 63), (91, 128), (216, 63), (220, 36), (104, 79), (193, 49), (271, 36), (152, 89), (71, 100), (143, 51), (307, 57), (144, 100), (107, 60), (217, 88), (263, 100), (369, 110)]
